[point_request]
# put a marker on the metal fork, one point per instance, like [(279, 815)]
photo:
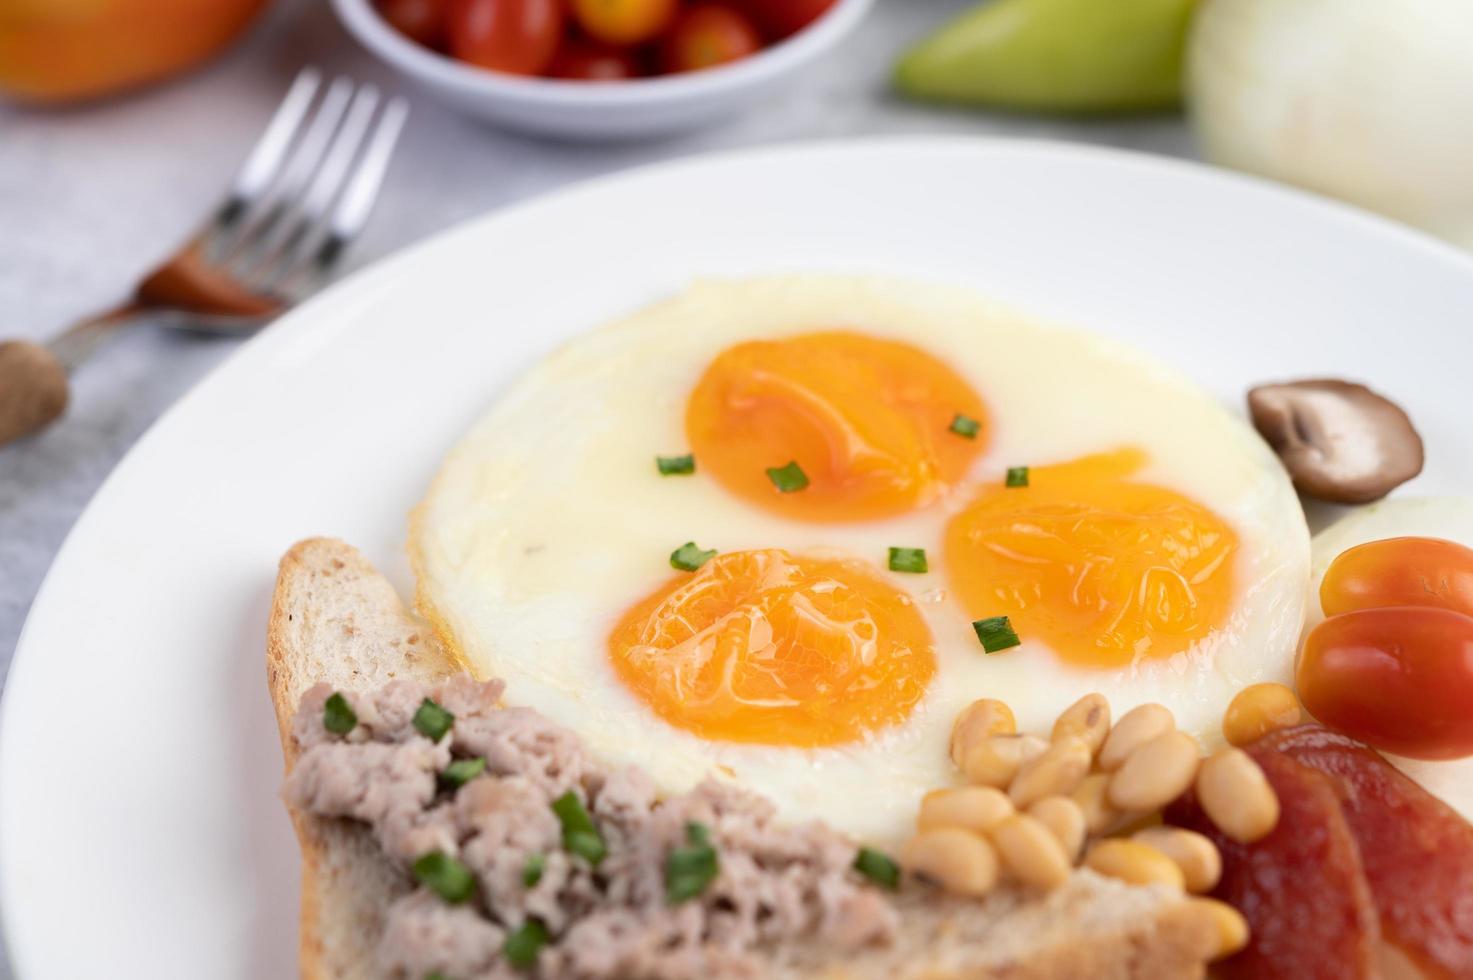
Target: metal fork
[(302, 196)]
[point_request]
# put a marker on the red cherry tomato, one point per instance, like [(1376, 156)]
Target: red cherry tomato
[(707, 35), (624, 21), (514, 36), (419, 20), (1399, 678), (780, 18), (594, 63), (1400, 572)]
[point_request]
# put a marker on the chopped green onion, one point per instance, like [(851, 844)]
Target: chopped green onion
[(964, 426), (445, 876), (571, 813), (590, 847), (788, 479), (1017, 476), (908, 560), (521, 947), (338, 716), (877, 867), (462, 771), (580, 836), (532, 870), (432, 721), (996, 634), (437, 975), (688, 557), (690, 870), (676, 465)]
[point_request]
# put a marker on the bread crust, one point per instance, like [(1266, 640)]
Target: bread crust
[(335, 618)]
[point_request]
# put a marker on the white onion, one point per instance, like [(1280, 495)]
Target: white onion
[(1366, 100)]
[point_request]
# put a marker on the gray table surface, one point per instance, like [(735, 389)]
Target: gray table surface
[(90, 197)]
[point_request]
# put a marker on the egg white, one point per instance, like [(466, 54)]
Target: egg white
[(1450, 518), (549, 520)]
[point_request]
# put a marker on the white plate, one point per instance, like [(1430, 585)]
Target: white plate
[(140, 831)]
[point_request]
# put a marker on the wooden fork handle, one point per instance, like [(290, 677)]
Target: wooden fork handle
[(33, 389)]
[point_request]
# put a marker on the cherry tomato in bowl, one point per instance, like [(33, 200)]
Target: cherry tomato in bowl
[(1400, 572), (707, 35), (419, 20), (783, 18), (1399, 678), (624, 21), (518, 37), (503, 86), (585, 61)]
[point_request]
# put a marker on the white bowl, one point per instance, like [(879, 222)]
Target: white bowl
[(600, 110)]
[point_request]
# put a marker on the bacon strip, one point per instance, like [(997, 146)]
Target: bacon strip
[(1417, 852)]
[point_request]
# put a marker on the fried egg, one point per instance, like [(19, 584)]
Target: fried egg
[(1140, 539), (1450, 518)]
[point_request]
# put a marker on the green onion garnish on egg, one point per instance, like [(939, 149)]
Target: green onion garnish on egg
[(908, 560), (996, 633), (964, 426), (789, 478), (676, 465), (1017, 476), (689, 557)]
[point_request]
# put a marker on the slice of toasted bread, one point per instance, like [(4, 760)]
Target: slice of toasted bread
[(334, 618)]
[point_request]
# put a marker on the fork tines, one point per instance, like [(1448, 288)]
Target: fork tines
[(307, 187)]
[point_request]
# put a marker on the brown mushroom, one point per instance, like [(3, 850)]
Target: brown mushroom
[(1339, 441)]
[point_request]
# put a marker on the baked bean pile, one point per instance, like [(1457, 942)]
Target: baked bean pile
[(1091, 794)]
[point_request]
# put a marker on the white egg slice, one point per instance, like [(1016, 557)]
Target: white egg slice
[(1450, 518), (549, 520)]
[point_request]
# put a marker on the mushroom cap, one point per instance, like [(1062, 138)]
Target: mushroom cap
[(1340, 441)]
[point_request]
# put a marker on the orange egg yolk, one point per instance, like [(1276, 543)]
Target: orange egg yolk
[(777, 649), (866, 419), (1100, 567)]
